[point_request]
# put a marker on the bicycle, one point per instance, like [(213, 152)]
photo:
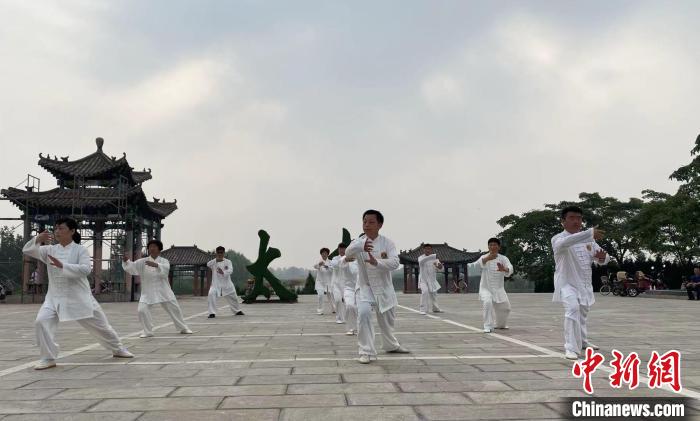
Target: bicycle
[(605, 289)]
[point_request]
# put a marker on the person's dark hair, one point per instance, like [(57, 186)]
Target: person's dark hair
[(572, 208), (157, 243), (324, 249), (494, 240), (380, 217), (72, 224), (342, 246), (220, 249), (426, 245)]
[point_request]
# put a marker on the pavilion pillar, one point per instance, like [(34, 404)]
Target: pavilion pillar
[(158, 231), (129, 252), (26, 260), (170, 278), (405, 278), (447, 279), (98, 232), (195, 283), (208, 276)]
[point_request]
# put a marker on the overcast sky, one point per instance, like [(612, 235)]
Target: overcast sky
[(297, 116)]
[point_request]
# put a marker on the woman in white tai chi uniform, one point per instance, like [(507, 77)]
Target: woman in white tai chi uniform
[(347, 279), (376, 258), (575, 251), (69, 296), (492, 293), (155, 288), (427, 280), (338, 285), (323, 281), (221, 284)]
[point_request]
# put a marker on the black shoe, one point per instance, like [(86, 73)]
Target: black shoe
[(211, 316), (240, 313)]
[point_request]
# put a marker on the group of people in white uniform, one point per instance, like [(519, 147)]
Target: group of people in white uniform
[(69, 296), (354, 285)]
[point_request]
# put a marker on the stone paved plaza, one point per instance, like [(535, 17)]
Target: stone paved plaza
[(284, 362)]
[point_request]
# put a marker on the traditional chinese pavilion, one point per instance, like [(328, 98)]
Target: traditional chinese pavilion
[(455, 262), (105, 195)]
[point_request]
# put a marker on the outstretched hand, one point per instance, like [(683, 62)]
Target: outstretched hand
[(598, 233), (368, 245), (372, 261), (44, 237), (501, 267), (152, 264), (55, 262), (600, 254), (219, 271)]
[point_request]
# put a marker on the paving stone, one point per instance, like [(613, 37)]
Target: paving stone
[(390, 413), (44, 406), (304, 389), (442, 398), (157, 404), (108, 392), (286, 401), (230, 390), (464, 386), (77, 416), (487, 412), (218, 415), (529, 396)]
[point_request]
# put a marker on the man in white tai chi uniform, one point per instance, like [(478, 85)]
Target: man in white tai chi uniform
[(338, 284), (376, 258), (492, 293), (221, 284), (323, 281), (575, 251), (427, 280), (347, 284), (155, 288), (69, 296)]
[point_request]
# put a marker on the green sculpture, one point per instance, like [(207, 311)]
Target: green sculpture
[(346, 240), (260, 271)]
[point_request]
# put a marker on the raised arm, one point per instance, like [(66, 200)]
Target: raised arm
[(392, 258), (561, 243), (33, 249), (80, 269)]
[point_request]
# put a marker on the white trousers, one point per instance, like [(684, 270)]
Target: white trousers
[(231, 298), (428, 301), (350, 308), (575, 329), (495, 314), (327, 297), (170, 307), (365, 331), (47, 322), (338, 297)]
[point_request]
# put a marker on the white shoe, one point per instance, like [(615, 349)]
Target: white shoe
[(487, 330), (340, 322), (319, 312), (44, 364), (123, 353), (350, 332), (423, 313), (571, 355), (186, 332), (146, 335), (364, 359), (590, 345)]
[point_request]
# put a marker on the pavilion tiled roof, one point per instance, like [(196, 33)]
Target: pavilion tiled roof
[(186, 255), (445, 254), (64, 200), (94, 166)]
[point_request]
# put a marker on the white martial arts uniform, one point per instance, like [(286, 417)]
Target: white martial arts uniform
[(346, 281), (573, 256), (427, 282), (222, 286), (492, 293), (69, 298), (337, 289), (376, 292), (155, 289), (323, 284)]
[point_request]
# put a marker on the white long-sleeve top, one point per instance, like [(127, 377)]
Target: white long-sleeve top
[(155, 287), (345, 272), (375, 281), (491, 287), (69, 293), (337, 282), (573, 256), (323, 275), (427, 278), (221, 283)]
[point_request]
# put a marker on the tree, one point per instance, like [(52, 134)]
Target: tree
[(239, 263), (528, 241), (10, 256), (310, 286), (668, 224)]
